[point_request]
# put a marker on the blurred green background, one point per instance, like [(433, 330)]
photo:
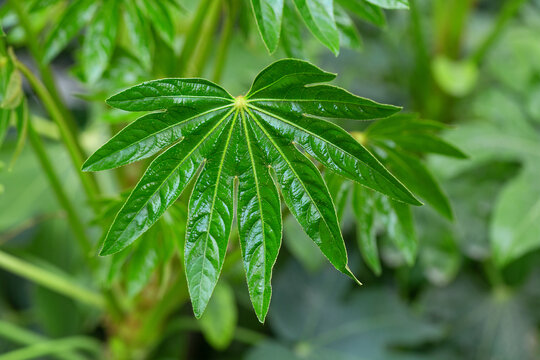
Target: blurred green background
[(473, 291)]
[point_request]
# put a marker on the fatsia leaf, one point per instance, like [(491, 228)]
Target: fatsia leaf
[(319, 18), (268, 14), (79, 13), (259, 141)]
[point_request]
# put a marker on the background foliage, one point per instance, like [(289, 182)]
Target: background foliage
[(456, 278)]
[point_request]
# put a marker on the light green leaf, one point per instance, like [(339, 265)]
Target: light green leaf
[(160, 18), (391, 4), (13, 92), (348, 34), (291, 40), (418, 178), (218, 323), (365, 11), (21, 122), (100, 41), (515, 227), (401, 231), (319, 18), (139, 34), (77, 15), (364, 210), (268, 14)]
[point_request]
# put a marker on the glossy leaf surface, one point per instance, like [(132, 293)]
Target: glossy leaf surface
[(259, 141)]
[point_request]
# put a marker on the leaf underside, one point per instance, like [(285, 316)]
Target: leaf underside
[(258, 144)]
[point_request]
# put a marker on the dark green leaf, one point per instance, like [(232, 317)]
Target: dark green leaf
[(304, 192), (268, 14), (160, 186), (167, 93), (100, 40), (210, 217), (78, 14), (5, 117), (319, 18), (255, 139), (259, 219), (150, 134)]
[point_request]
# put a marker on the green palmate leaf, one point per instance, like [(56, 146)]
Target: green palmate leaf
[(100, 41), (268, 14), (319, 18), (391, 4), (258, 141), (72, 20)]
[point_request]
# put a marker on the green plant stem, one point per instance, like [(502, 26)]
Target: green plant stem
[(225, 41), (59, 283), (192, 37), (206, 39), (510, 8), (52, 347), (23, 336), (73, 217), (44, 69), (77, 157)]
